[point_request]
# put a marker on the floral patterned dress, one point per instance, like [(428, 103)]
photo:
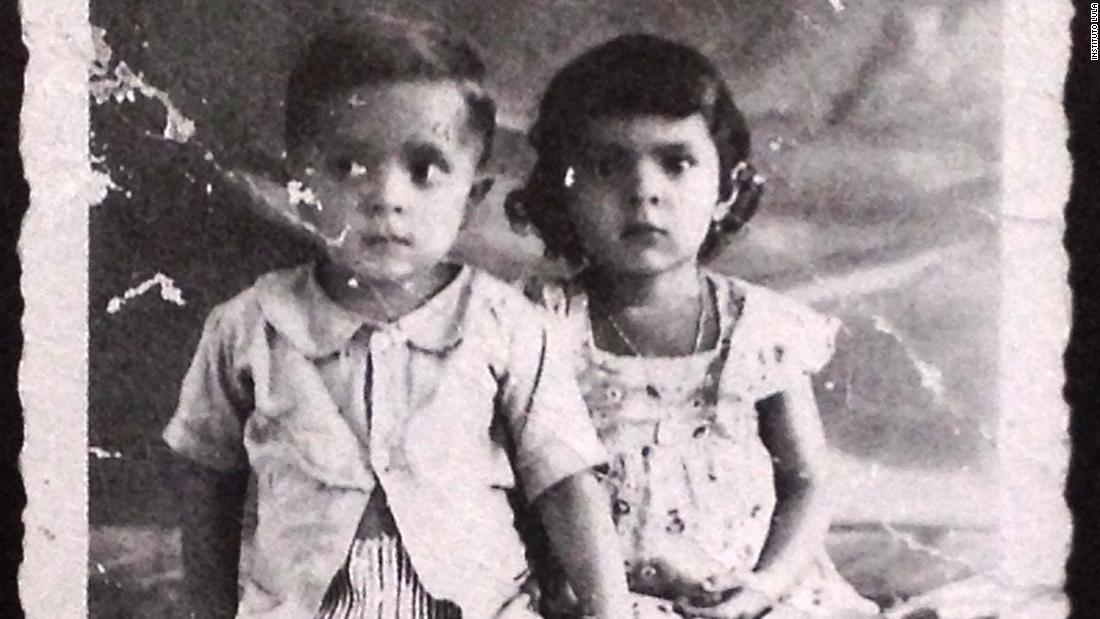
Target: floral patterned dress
[(690, 480)]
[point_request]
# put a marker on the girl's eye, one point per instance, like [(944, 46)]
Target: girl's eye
[(607, 166), (677, 164), (604, 168)]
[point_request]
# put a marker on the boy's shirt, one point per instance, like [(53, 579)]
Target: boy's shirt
[(449, 408)]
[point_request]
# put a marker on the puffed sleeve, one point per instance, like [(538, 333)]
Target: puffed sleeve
[(811, 340), (780, 340), (552, 435), (215, 398)]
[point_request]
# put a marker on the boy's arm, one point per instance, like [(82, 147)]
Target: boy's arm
[(578, 523), (211, 474), (555, 448), (212, 504)]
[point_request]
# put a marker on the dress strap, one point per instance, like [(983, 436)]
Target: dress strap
[(729, 301), (579, 319)]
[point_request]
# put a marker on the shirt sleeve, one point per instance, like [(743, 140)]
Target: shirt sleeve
[(553, 436), (213, 403)]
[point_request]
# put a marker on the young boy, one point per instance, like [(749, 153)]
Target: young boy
[(388, 403)]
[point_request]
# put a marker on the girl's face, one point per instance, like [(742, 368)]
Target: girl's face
[(643, 191), (392, 172)]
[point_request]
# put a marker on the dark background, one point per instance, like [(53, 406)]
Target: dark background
[(877, 126)]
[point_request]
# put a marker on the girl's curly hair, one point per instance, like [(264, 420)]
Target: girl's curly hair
[(631, 75)]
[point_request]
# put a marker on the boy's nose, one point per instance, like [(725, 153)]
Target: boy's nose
[(377, 208), (387, 193)]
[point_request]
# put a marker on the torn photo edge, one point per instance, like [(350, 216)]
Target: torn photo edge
[(1034, 321)]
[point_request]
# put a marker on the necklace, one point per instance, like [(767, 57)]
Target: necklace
[(700, 323)]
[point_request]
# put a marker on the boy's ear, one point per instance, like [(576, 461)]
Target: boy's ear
[(481, 188)]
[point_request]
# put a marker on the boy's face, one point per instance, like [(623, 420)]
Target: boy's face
[(392, 170), (644, 191)]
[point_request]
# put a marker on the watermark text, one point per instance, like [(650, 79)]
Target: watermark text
[(1094, 31)]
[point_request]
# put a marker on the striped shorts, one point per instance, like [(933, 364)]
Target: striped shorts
[(378, 582)]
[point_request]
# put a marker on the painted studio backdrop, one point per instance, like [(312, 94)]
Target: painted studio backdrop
[(875, 122)]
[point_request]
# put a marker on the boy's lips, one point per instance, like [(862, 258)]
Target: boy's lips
[(382, 240)]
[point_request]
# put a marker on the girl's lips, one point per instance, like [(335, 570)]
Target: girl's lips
[(642, 231)]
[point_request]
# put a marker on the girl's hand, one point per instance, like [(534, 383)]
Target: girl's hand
[(746, 603), (722, 586)]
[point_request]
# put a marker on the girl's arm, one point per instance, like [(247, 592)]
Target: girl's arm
[(212, 504), (790, 427), (578, 523)]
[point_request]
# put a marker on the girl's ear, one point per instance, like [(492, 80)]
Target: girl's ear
[(722, 207), (480, 189)]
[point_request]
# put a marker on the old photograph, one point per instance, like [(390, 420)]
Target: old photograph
[(560, 308)]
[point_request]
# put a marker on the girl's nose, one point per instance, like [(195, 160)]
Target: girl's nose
[(646, 188), (639, 199)]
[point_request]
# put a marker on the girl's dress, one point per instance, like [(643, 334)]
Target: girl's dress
[(690, 480)]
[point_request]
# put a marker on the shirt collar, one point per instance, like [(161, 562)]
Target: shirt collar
[(293, 302)]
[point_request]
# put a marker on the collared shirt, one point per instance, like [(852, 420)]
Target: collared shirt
[(449, 409)]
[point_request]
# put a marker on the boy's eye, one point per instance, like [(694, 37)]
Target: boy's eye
[(341, 166), (425, 163), (424, 172), (347, 167)]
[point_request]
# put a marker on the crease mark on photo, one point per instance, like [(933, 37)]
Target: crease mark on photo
[(122, 84), (168, 292)]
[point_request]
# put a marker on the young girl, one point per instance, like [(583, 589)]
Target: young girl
[(699, 384), (389, 404)]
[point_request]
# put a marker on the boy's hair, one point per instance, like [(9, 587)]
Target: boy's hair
[(630, 75), (377, 49)]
